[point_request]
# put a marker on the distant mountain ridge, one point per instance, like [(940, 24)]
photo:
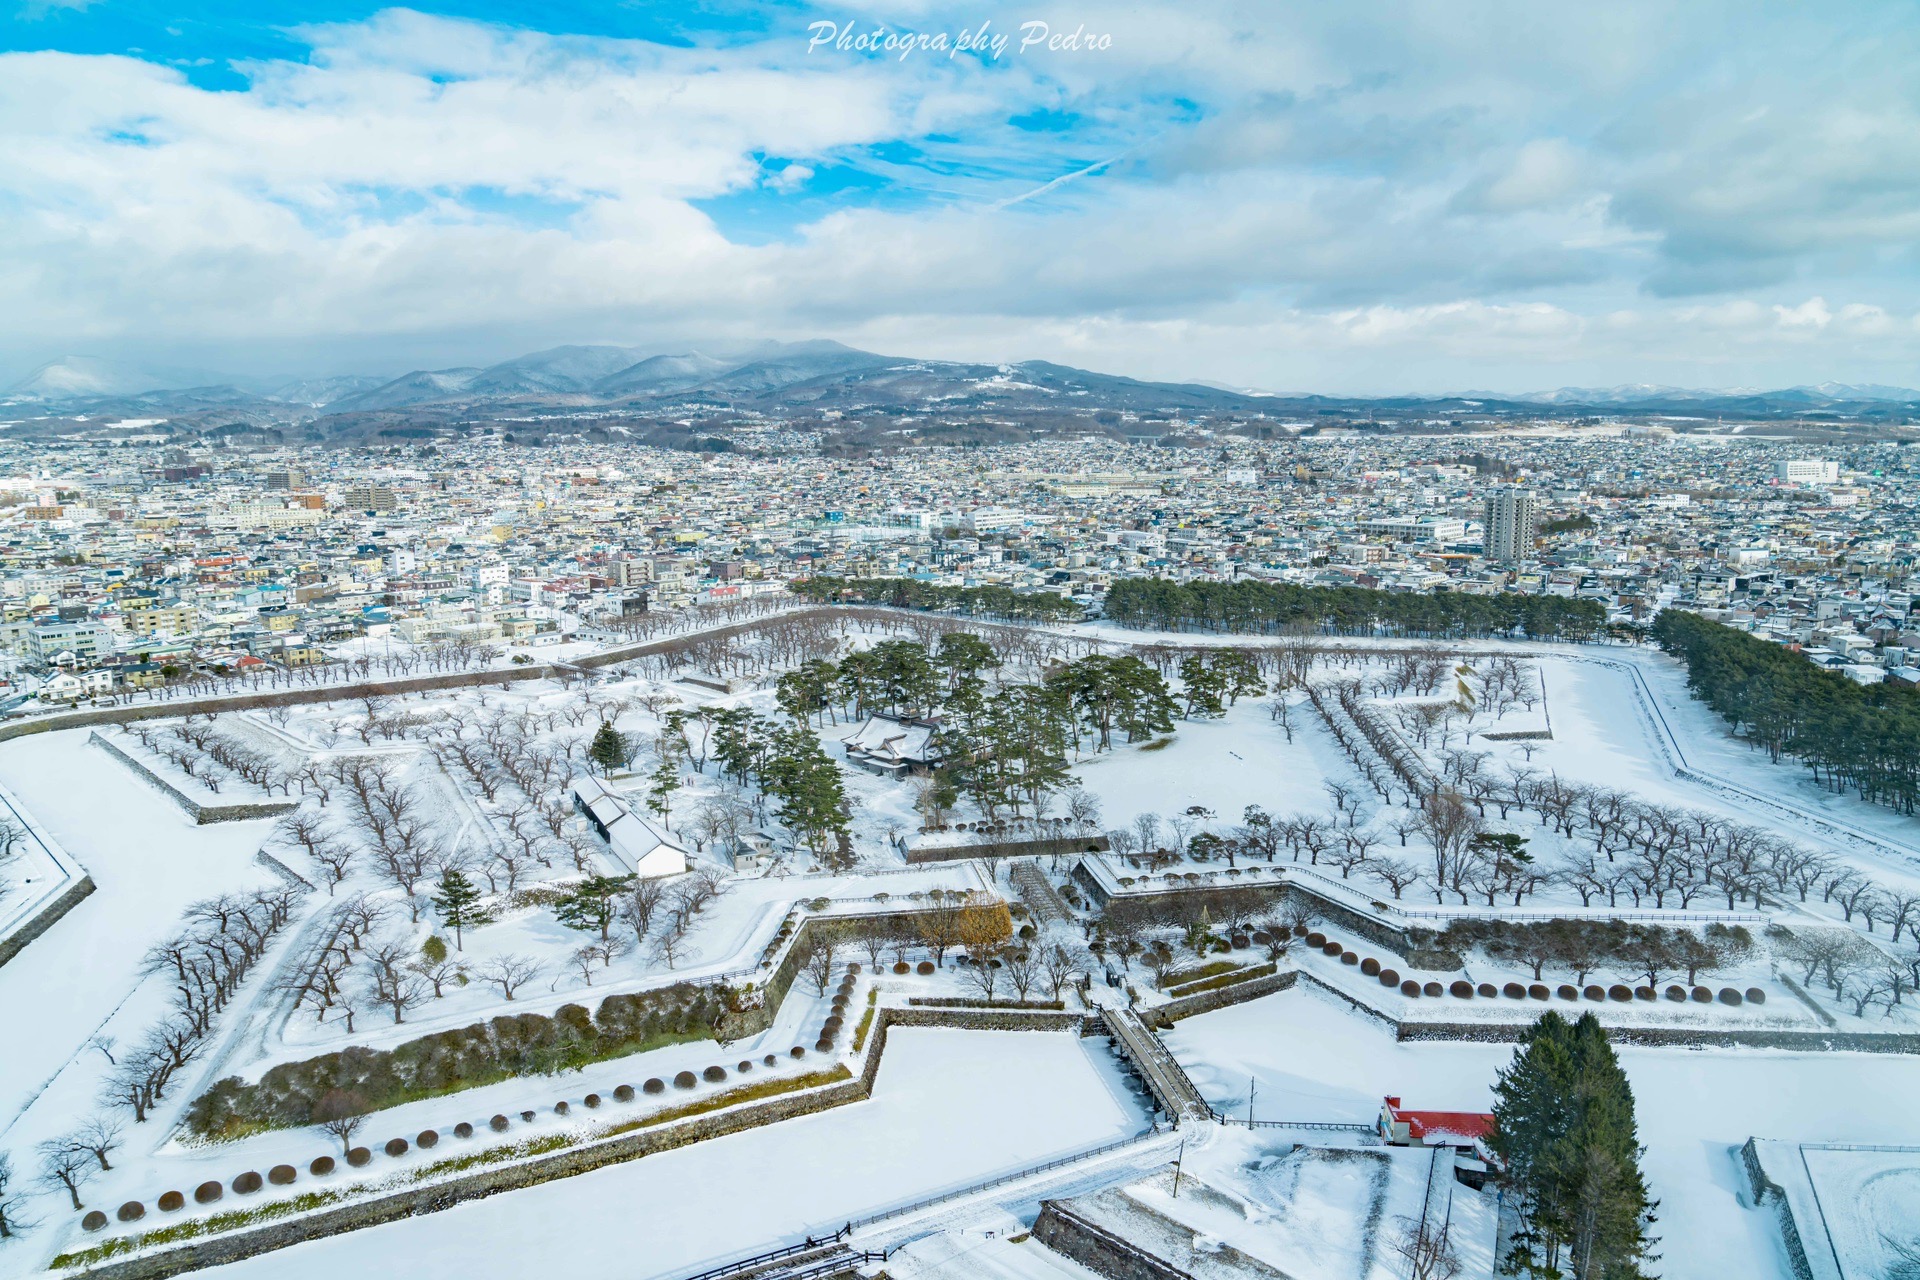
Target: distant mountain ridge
[(821, 375)]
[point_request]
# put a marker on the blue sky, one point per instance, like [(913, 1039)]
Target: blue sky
[(1375, 196)]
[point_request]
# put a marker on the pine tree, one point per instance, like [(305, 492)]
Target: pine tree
[(1564, 1132), (589, 905), (608, 749), (458, 903)]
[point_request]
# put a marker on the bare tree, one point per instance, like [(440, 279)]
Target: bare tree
[(819, 965), (340, 1114), (509, 973), (99, 1137), (65, 1165), (1424, 1247), (12, 1223)]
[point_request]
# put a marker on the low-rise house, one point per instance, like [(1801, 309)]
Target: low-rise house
[(646, 847)]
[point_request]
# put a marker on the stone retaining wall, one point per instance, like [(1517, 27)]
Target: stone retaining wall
[(1061, 846), (1098, 1250), (1165, 1015), (1769, 1194), (14, 943), (1684, 1037), (202, 814)]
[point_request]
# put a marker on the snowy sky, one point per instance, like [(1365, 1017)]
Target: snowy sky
[(1364, 196)]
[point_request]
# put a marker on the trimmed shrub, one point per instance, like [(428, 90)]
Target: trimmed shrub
[(1514, 991), (685, 1080), (833, 1024), (1316, 939), (771, 1060), (1620, 992), (1538, 991), (131, 1211), (623, 1093), (1594, 991), (743, 1066), (655, 1085), (172, 1202), (1239, 941), (463, 1130), (359, 1157), (1460, 989), (1432, 989), (282, 1175), (321, 1166), (823, 1045), (1349, 957), (1486, 990), (94, 1221), (798, 1051), (1302, 931), (714, 1075), (1677, 993), (498, 1124), (396, 1147), (901, 966), (853, 968), (1756, 996), (1702, 995), (1645, 993), (1729, 996), (1567, 991), (562, 1107), (1389, 977), (208, 1192), (924, 968), (592, 1100), (528, 1116), (1370, 967), (1409, 988), (1261, 937), (247, 1183)]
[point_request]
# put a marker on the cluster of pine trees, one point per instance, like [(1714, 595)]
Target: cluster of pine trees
[(910, 593), (1851, 735), (1269, 608), (1564, 1132), (290, 1094)]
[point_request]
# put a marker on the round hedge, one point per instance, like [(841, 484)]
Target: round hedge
[(1620, 992), (1702, 995), (463, 1130), (1239, 941), (1432, 989), (94, 1220), (685, 1080), (655, 1085), (1644, 992), (498, 1124), (426, 1139), (924, 967), (208, 1192), (247, 1183), (528, 1116), (771, 1060), (1729, 996), (1389, 977), (798, 1051), (901, 966), (321, 1166), (1514, 991), (714, 1075), (1677, 993), (396, 1147), (1567, 991), (833, 1023), (1261, 937), (171, 1202), (1349, 957), (1486, 990), (359, 1157), (1756, 996), (131, 1211), (1409, 988), (1331, 948), (853, 968), (623, 1093), (1538, 991), (592, 1100), (1460, 989), (823, 1045), (282, 1175), (562, 1107), (1594, 991), (1370, 967), (1302, 931), (1316, 939)]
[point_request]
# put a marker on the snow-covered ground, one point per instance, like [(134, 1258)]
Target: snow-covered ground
[(950, 1108), (1312, 1060)]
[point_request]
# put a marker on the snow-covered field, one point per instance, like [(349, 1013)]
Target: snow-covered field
[(950, 1108), (1311, 1060)]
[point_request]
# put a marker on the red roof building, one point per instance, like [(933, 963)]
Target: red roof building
[(1402, 1127)]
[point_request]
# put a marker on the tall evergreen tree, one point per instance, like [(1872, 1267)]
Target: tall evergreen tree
[(458, 902), (1564, 1133), (608, 749)]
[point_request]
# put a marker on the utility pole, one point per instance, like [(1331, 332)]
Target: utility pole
[(1178, 1161), (1253, 1086)]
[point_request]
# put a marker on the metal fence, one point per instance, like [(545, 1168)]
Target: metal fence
[(1003, 1179)]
